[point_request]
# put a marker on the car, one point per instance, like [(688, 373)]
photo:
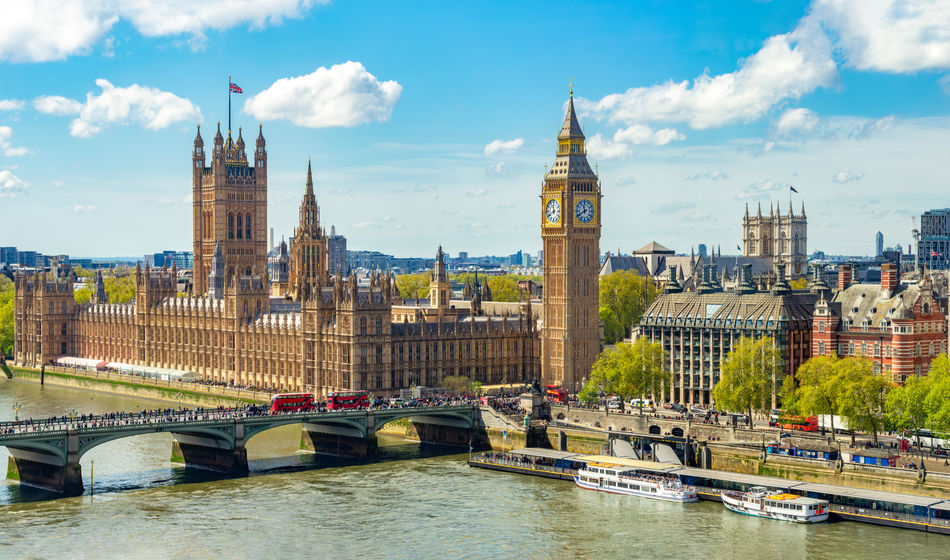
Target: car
[(678, 408), (613, 405)]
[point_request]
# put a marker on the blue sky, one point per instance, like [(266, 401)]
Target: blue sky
[(432, 122)]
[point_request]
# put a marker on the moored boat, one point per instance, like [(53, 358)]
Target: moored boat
[(618, 479), (760, 502)]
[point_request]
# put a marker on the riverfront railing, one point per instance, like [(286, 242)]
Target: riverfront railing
[(89, 423)]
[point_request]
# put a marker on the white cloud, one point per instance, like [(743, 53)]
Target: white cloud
[(387, 222), (846, 177), (700, 216), (11, 104), (497, 168), (673, 207), (599, 147), (476, 193), (626, 182), (713, 175), (150, 107), (759, 190), (641, 134), (11, 185), (44, 30), (503, 146), (9, 150), (795, 121), (872, 126), (786, 67), (944, 83), (342, 95), (889, 35), (82, 208), (57, 105)]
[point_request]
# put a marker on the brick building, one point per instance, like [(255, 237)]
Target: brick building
[(898, 326)]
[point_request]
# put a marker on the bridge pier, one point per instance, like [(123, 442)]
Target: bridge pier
[(65, 479), (323, 439), (212, 453), (49, 468), (439, 433)]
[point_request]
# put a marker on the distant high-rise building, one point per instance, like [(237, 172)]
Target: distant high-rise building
[(336, 247), (702, 250), (934, 243), (8, 255), (463, 255), (271, 246), (879, 244), (29, 258)]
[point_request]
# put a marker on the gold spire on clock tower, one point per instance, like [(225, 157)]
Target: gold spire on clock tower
[(570, 234)]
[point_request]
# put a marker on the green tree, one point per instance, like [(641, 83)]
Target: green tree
[(613, 330), (6, 314), (413, 286), (119, 289), (863, 395), (628, 370), (82, 295), (937, 401), (798, 284), (457, 383), (477, 387), (745, 383), (626, 295), (818, 390), (906, 406)]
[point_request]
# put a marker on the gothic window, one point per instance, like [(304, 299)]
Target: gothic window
[(247, 226), (379, 354), (362, 355), (238, 226), (379, 325), (821, 348), (230, 225), (362, 325)]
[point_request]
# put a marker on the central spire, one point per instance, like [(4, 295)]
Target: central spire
[(571, 159)]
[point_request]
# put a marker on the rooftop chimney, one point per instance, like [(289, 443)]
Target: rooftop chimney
[(889, 280), (844, 276)]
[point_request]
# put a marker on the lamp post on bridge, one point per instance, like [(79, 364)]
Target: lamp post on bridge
[(16, 411)]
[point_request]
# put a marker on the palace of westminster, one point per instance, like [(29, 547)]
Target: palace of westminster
[(309, 328)]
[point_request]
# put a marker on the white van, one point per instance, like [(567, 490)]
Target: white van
[(636, 403)]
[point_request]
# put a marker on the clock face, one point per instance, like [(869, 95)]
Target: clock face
[(553, 211), (584, 211)]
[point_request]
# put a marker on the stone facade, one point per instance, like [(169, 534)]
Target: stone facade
[(570, 232), (782, 238), (699, 329), (324, 332), (900, 327)]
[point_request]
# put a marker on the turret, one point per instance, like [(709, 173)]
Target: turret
[(260, 154)]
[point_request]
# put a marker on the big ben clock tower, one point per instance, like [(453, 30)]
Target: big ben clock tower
[(570, 234)]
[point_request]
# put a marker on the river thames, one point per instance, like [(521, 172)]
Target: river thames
[(412, 503)]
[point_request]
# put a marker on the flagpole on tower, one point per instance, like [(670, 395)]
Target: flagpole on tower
[(229, 104)]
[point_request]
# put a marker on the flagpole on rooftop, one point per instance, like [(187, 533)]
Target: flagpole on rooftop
[(229, 104)]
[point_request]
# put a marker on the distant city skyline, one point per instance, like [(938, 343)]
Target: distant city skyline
[(691, 111)]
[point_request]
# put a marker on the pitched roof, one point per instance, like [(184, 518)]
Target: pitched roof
[(653, 247)]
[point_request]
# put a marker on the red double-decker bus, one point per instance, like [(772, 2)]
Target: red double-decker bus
[(347, 400), (556, 392), (292, 402), (798, 423)]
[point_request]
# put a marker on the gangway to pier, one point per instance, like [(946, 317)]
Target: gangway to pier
[(663, 453)]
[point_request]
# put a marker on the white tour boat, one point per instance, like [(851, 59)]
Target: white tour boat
[(626, 480), (759, 501)]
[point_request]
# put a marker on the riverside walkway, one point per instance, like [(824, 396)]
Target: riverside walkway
[(46, 453)]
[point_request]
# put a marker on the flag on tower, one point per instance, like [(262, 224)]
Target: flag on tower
[(794, 190), (934, 253), (235, 88), (738, 247)]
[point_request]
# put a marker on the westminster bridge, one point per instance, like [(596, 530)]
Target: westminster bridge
[(46, 453)]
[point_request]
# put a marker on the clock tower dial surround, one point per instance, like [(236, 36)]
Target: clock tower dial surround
[(570, 334)]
